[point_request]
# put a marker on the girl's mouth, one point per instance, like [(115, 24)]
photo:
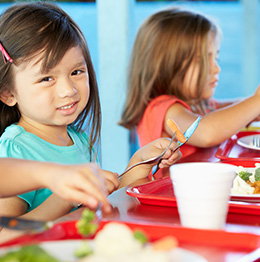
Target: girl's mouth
[(214, 83), (67, 107)]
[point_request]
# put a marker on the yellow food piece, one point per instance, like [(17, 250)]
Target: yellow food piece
[(165, 243)]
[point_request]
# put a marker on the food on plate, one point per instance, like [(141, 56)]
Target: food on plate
[(31, 253), (166, 243), (174, 127), (247, 181), (114, 239), (117, 242), (139, 235), (83, 250), (114, 242), (87, 225)]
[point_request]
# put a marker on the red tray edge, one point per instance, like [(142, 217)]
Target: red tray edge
[(224, 148), (219, 238)]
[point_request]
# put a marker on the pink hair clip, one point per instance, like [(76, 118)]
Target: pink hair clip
[(5, 54)]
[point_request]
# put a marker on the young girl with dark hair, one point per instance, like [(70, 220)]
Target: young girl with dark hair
[(50, 108)]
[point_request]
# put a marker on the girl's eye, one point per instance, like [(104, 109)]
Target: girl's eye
[(77, 72), (217, 56), (46, 79)]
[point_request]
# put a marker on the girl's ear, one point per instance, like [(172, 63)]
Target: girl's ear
[(8, 98)]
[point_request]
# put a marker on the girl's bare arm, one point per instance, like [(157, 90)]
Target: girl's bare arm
[(85, 183), (51, 209), (216, 127)]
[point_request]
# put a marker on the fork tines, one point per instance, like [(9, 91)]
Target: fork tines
[(256, 141)]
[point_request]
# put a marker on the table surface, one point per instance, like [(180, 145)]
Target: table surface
[(128, 209)]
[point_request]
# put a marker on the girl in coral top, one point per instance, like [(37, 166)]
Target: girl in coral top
[(174, 72)]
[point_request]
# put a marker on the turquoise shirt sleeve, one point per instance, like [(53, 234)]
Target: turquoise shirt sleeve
[(36, 197), (11, 149), (29, 198)]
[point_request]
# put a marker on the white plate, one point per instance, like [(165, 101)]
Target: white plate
[(64, 250), (247, 142), (254, 198)]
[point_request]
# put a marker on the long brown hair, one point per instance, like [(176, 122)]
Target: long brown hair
[(40, 27), (164, 48)]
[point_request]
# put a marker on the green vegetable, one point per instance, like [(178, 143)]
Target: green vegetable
[(257, 174), (245, 175), (31, 253), (88, 215), (86, 225), (140, 236), (83, 250)]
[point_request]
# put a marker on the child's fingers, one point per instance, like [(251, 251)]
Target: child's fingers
[(88, 180), (90, 194), (170, 152), (170, 158), (111, 180), (96, 176), (86, 193), (169, 162), (111, 187), (174, 127)]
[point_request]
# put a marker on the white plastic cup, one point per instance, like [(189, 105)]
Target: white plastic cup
[(202, 191)]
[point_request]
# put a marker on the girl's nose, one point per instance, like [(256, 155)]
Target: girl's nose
[(66, 89), (214, 67), (217, 68)]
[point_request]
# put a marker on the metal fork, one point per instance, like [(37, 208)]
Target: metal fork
[(155, 169), (155, 159), (188, 133), (256, 141)]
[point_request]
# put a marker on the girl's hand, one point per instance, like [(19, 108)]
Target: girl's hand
[(156, 147), (152, 149), (111, 180), (86, 184)]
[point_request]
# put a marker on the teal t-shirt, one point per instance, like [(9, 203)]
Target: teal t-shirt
[(17, 143)]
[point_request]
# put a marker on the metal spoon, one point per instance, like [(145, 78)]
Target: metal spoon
[(150, 160)]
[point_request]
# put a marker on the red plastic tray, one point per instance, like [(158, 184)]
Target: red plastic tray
[(216, 238), (230, 150), (161, 193)]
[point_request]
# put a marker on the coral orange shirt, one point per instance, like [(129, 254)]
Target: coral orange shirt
[(151, 125)]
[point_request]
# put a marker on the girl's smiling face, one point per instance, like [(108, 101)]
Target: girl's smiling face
[(55, 98)]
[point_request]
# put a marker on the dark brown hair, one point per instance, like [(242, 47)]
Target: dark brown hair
[(31, 28)]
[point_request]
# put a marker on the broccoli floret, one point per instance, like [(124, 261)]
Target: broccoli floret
[(86, 225), (83, 250), (140, 236), (257, 174), (86, 228), (245, 175), (28, 254), (88, 215)]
